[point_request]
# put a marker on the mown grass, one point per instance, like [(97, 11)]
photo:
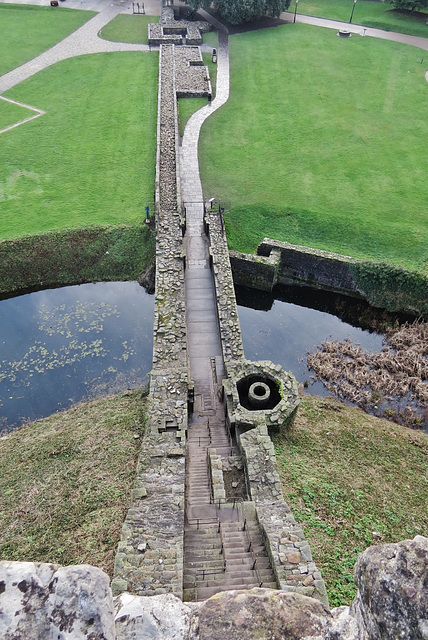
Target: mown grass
[(11, 113), (352, 481), (380, 15), (66, 480), (90, 160), (27, 30), (128, 28), (322, 144)]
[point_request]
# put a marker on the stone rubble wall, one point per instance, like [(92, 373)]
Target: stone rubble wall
[(149, 559), (230, 330), (192, 78), (172, 31)]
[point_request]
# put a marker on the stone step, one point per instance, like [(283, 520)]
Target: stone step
[(194, 563), (196, 549), (203, 593), (244, 581), (231, 571)]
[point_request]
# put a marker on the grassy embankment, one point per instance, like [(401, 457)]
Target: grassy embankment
[(70, 169), (316, 145), (28, 30), (63, 492), (352, 481), (380, 15)]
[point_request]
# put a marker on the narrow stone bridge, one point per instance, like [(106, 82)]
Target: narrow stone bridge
[(207, 509)]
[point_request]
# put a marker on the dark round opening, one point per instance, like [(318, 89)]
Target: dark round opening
[(259, 395), (257, 392)]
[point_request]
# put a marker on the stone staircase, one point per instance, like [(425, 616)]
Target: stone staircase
[(229, 554), (223, 544)]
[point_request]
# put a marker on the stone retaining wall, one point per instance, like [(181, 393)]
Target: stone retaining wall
[(284, 263), (287, 547)]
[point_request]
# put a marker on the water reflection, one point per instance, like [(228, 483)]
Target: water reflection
[(284, 326), (61, 346)]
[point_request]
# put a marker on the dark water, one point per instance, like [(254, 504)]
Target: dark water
[(62, 346), (284, 326)]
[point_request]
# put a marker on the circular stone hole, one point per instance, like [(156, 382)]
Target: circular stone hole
[(259, 394)]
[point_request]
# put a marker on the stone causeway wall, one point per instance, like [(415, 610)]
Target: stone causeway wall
[(149, 560), (230, 329)]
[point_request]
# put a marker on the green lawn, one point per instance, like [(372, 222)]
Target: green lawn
[(352, 481), (380, 15), (323, 143), (11, 113), (127, 28), (27, 30), (91, 159)]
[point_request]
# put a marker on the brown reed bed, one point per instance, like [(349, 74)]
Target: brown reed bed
[(395, 376)]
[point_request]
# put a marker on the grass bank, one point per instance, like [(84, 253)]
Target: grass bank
[(74, 256), (63, 492), (380, 15), (70, 168), (352, 480), (28, 30), (316, 147)]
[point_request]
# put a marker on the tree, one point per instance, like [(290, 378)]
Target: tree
[(237, 11), (410, 4)]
